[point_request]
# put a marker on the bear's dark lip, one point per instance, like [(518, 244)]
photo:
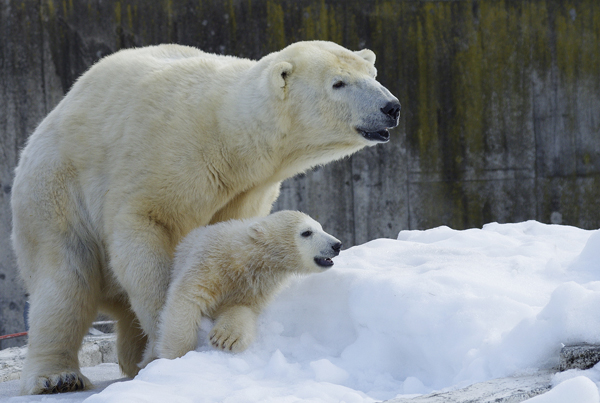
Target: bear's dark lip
[(324, 261), (381, 136)]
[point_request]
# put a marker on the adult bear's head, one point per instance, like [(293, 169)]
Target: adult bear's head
[(331, 95)]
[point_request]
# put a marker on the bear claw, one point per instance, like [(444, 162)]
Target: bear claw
[(229, 342), (62, 383)]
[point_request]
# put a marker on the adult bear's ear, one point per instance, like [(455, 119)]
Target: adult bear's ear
[(280, 74), (366, 54), (256, 232)]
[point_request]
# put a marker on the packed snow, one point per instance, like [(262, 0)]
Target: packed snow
[(432, 310)]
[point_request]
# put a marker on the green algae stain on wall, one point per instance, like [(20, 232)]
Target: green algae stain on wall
[(476, 67), (568, 53), (322, 21), (426, 103), (336, 25), (118, 13), (232, 18), (309, 24), (468, 86), (130, 17), (385, 22), (576, 39), (275, 25), (540, 48), (489, 88)]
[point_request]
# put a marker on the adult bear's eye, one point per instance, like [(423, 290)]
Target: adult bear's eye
[(306, 234), (339, 84)]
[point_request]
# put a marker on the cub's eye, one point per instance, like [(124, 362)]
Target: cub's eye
[(339, 84), (306, 234)]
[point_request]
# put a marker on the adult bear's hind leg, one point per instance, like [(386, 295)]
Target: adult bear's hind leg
[(63, 305), (131, 340)]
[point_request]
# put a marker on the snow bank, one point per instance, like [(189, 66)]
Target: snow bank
[(579, 389), (433, 309)]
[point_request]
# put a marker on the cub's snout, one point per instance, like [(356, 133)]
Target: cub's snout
[(325, 256)]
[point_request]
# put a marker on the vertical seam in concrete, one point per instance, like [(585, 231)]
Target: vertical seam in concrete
[(407, 154), (353, 201), (534, 118), (42, 56)]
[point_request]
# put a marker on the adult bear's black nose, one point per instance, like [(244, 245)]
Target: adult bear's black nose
[(392, 109), (337, 247)]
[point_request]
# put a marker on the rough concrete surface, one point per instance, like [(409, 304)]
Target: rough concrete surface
[(95, 350), (582, 356), (101, 376), (502, 390)]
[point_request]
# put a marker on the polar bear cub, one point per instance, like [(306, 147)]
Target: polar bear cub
[(229, 272)]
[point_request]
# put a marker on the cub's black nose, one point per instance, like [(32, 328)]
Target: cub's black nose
[(392, 109), (337, 248)]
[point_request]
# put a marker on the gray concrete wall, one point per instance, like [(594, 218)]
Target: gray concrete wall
[(500, 118)]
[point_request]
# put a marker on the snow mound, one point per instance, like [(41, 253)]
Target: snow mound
[(395, 318), (579, 389)]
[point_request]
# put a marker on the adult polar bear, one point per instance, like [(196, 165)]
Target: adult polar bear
[(149, 144)]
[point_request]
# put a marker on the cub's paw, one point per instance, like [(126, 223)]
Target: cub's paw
[(57, 383), (234, 340)]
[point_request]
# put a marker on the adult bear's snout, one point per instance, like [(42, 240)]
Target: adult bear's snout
[(392, 109), (337, 247)]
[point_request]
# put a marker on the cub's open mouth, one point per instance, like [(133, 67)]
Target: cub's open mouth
[(382, 136), (324, 261)]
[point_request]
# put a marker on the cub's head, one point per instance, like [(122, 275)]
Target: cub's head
[(316, 246), (333, 95), (294, 235)]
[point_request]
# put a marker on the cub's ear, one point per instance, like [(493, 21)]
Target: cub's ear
[(367, 54), (256, 232), (280, 73)]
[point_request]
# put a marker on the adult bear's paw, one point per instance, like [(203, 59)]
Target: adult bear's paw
[(57, 383)]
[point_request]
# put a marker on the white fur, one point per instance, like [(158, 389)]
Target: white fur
[(149, 144), (229, 271)]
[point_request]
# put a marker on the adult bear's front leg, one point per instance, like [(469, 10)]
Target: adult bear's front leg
[(255, 202), (234, 329), (141, 257)]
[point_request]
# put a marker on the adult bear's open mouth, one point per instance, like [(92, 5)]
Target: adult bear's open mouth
[(382, 136), (324, 261)]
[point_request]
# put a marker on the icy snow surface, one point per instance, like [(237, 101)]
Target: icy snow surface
[(431, 310)]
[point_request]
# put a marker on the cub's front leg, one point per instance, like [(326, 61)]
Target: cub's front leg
[(235, 328), (179, 322)]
